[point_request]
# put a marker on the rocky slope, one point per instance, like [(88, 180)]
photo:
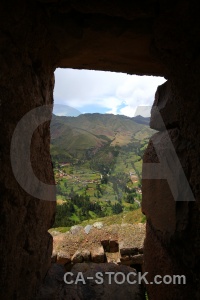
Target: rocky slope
[(120, 244), (91, 249)]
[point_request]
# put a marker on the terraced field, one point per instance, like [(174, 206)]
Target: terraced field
[(97, 158)]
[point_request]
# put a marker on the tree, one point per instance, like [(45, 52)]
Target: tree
[(104, 179), (117, 208), (130, 198)]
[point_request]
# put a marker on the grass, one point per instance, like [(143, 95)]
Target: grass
[(75, 135), (132, 217), (75, 139)]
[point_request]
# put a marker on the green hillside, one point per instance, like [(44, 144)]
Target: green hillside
[(76, 135), (97, 162), (130, 217)]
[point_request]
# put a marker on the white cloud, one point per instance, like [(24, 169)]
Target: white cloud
[(80, 88), (111, 102), (138, 91), (128, 111)]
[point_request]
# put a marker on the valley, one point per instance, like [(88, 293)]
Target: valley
[(97, 161)]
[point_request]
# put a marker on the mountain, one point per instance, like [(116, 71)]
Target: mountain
[(97, 161), (65, 110), (142, 120), (77, 135)]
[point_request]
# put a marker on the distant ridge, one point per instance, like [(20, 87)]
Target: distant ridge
[(65, 110), (141, 120), (88, 133)]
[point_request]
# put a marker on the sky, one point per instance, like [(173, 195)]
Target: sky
[(105, 92)]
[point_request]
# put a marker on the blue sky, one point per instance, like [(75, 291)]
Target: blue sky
[(105, 92)]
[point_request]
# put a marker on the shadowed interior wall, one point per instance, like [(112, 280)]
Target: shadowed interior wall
[(145, 38), (26, 81)]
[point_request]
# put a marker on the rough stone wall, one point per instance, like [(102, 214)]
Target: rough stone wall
[(151, 37), (26, 81), (35, 38), (173, 239)]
